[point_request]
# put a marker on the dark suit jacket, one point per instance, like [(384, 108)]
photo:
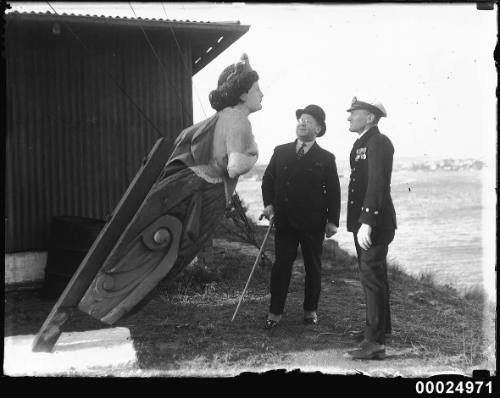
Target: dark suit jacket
[(369, 200), (305, 193)]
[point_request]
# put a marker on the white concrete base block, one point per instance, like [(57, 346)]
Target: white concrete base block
[(25, 267), (76, 353)]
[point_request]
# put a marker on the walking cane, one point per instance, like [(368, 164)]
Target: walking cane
[(253, 268)]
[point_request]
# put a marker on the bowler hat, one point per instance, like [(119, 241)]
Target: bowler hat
[(374, 106), (317, 113)]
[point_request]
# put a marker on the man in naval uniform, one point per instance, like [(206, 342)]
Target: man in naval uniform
[(301, 192), (372, 220)]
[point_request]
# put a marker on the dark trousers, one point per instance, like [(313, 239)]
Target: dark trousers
[(286, 242), (372, 265)]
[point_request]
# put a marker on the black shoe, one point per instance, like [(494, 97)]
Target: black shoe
[(311, 320), (359, 335), (270, 324), (368, 350)]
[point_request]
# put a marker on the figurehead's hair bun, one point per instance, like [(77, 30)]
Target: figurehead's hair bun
[(234, 80)]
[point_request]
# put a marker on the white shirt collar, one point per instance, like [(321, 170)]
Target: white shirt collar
[(308, 144)]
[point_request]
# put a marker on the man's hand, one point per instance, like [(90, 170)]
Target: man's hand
[(268, 213), (330, 229), (364, 234)]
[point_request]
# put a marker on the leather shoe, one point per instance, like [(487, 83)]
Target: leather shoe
[(270, 324), (368, 350), (356, 334), (313, 320), (359, 335)]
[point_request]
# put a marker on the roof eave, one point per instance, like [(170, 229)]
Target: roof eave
[(208, 44)]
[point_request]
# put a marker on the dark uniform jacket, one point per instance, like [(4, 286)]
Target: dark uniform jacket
[(305, 193), (369, 200)]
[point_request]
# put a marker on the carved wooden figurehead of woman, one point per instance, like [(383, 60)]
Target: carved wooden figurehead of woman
[(187, 202), (237, 95)]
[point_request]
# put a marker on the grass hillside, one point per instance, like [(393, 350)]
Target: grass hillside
[(186, 327)]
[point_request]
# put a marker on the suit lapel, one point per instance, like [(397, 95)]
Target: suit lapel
[(312, 152), (297, 164), (290, 153)]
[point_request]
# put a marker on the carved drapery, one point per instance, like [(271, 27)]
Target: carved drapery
[(181, 212)]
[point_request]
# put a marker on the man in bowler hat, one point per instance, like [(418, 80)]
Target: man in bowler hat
[(372, 220), (301, 193)]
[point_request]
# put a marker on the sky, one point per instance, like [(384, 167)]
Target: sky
[(431, 66)]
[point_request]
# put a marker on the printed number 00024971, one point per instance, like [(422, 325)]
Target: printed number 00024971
[(451, 387)]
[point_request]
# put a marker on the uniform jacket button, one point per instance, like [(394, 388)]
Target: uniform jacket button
[(352, 202)]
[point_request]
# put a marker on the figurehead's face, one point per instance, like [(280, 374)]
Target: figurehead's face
[(253, 99)]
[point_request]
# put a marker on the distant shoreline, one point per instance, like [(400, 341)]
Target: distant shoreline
[(409, 164)]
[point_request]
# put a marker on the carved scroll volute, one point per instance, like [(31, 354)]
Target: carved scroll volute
[(157, 238), (132, 270)]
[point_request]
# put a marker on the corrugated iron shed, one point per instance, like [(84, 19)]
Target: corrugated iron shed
[(83, 113)]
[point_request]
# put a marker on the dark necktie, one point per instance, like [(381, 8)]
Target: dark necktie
[(301, 152)]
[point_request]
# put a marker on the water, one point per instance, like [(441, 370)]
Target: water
[(439, 216)]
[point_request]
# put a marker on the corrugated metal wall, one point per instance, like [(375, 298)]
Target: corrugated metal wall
[(74, 140)]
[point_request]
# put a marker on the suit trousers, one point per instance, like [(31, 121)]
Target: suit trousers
[(372, 265), (286, 243)]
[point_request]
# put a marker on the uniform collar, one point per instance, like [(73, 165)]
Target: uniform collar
[(366, 136), (361, 135)]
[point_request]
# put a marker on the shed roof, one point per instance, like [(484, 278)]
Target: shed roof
[(209, 39)]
